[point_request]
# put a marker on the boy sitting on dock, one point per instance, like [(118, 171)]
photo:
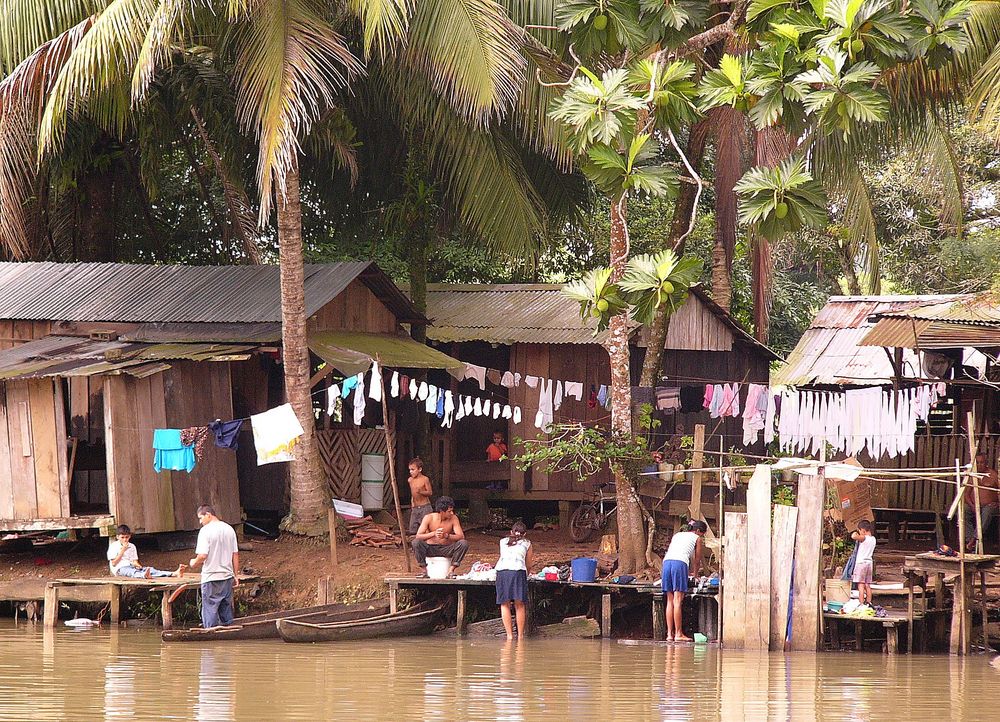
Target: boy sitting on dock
[(123, 558), (865, 536)]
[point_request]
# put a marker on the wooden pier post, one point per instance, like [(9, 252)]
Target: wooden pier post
[(659, 632), (50, 615), (460, 622), (166, 610), (606, 616)]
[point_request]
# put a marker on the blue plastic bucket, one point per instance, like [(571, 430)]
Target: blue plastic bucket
[(584, 569)]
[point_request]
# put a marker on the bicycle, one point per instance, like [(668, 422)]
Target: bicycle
[(591, 516)]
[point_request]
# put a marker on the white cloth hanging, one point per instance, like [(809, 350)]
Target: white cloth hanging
[(459, 409), (544, 416), (413, 389), (486, 407), (332, 397), (507, 380), (394, 385), (517, 415), (574, 389), (449, 410), (477, 409), (532, 381), (476, 372), (468, 406), (375, 387), (430, 403), (422, 391), (507, 413), (359, 400), (557, 396), (497, 408), (275, 433)]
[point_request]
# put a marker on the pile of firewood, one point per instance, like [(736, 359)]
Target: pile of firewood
[(366, 533)]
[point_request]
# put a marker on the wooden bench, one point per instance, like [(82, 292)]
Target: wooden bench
[(109, 589)]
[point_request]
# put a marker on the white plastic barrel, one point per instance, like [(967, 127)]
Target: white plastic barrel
[(372, 481)]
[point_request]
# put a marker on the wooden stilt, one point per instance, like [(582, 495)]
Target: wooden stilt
[(331, 522), (891, 637), (116, 604), (50, 615), (606, 616), (658, 620), (460, 622), (393, 599), (166, 610), (388, 425)]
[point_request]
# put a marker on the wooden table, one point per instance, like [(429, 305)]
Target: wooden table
[(891, 622), (929, 563), (109, 589)]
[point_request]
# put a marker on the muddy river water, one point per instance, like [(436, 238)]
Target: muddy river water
[(104, 674)]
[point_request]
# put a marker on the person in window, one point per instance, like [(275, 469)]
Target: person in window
[(498, 449)]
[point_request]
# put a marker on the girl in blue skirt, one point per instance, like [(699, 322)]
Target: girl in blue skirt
[(516, 558)]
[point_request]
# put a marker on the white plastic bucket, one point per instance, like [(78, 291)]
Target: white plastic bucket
[(438, 567), (372, 481)]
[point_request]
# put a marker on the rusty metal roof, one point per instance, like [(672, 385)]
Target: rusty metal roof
[(527, 313), (980, 309), (133, 293), (76, 356), (830, 352), (972, 320)]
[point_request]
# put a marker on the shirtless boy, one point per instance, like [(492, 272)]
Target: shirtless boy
[(420, 494), (440, 535)]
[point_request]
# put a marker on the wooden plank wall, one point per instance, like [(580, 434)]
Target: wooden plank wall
[(734, 581), (782, 553), (34, 479), (258, 385), (587, 363), (15, 332), (695, 328), (808, 544), (86, 411), (758, 599), (188, 394), (355, 309)]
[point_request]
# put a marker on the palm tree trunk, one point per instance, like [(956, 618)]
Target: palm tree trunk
[(772, 145), (418, 250), (729, 142), (656, 331), (309, 491), (631, 532)]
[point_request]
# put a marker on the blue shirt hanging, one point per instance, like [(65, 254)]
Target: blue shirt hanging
[(170, 453)]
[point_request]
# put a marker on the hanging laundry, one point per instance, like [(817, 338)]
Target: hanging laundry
[(195, 436), (394, 385), (274, 434), (349, 383), (493, 376), (574, 389), (668, 398), (603, 398), (692, 399), (716, 400), (517, 415), (592, 398), (227, 433), (532, 381), (486, 407), (448, 411), (413, 389), (439, 409), (459, 409), (404, 386), (332, 397), (709, 395), (730, 400), (508, 380), (476, 372), (557, 396), (170, 453), (517, 378), (769, 415), (477, 410), (543, 418), (359, 401), (753, 415), (375, 385), (430, 399), (468, 405), (507, 412), (422, 391), (497, 408)]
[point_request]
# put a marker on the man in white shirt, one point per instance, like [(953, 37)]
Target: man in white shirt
[(217, 550)]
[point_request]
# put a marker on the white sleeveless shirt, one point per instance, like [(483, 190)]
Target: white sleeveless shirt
[(681, 547)]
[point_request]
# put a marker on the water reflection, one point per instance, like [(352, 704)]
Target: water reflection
[(102, 674)]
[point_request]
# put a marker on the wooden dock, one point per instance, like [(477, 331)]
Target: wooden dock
[(605, 590), (109, 589)]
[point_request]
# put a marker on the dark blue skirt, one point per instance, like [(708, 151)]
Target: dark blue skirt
[(512, 586)]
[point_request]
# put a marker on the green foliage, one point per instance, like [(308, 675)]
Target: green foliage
[(598, 297), (781, 199), (783, 495), (598, 110), (651, 280)]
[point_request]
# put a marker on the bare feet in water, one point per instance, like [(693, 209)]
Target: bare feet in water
[(682, 638)]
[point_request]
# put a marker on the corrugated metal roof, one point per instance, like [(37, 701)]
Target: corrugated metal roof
[(830, 352), (978, 309), (132, 293), (529, 313), (506, 314), (77, 356)]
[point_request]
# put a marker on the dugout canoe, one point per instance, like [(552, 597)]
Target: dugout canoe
[(410, 623), (263, 626)]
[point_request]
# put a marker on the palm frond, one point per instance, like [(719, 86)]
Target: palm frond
[(470, 50), (289, 65), (859, 218), (384, 23), (157, 46), (28, 24), (94, 76)]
